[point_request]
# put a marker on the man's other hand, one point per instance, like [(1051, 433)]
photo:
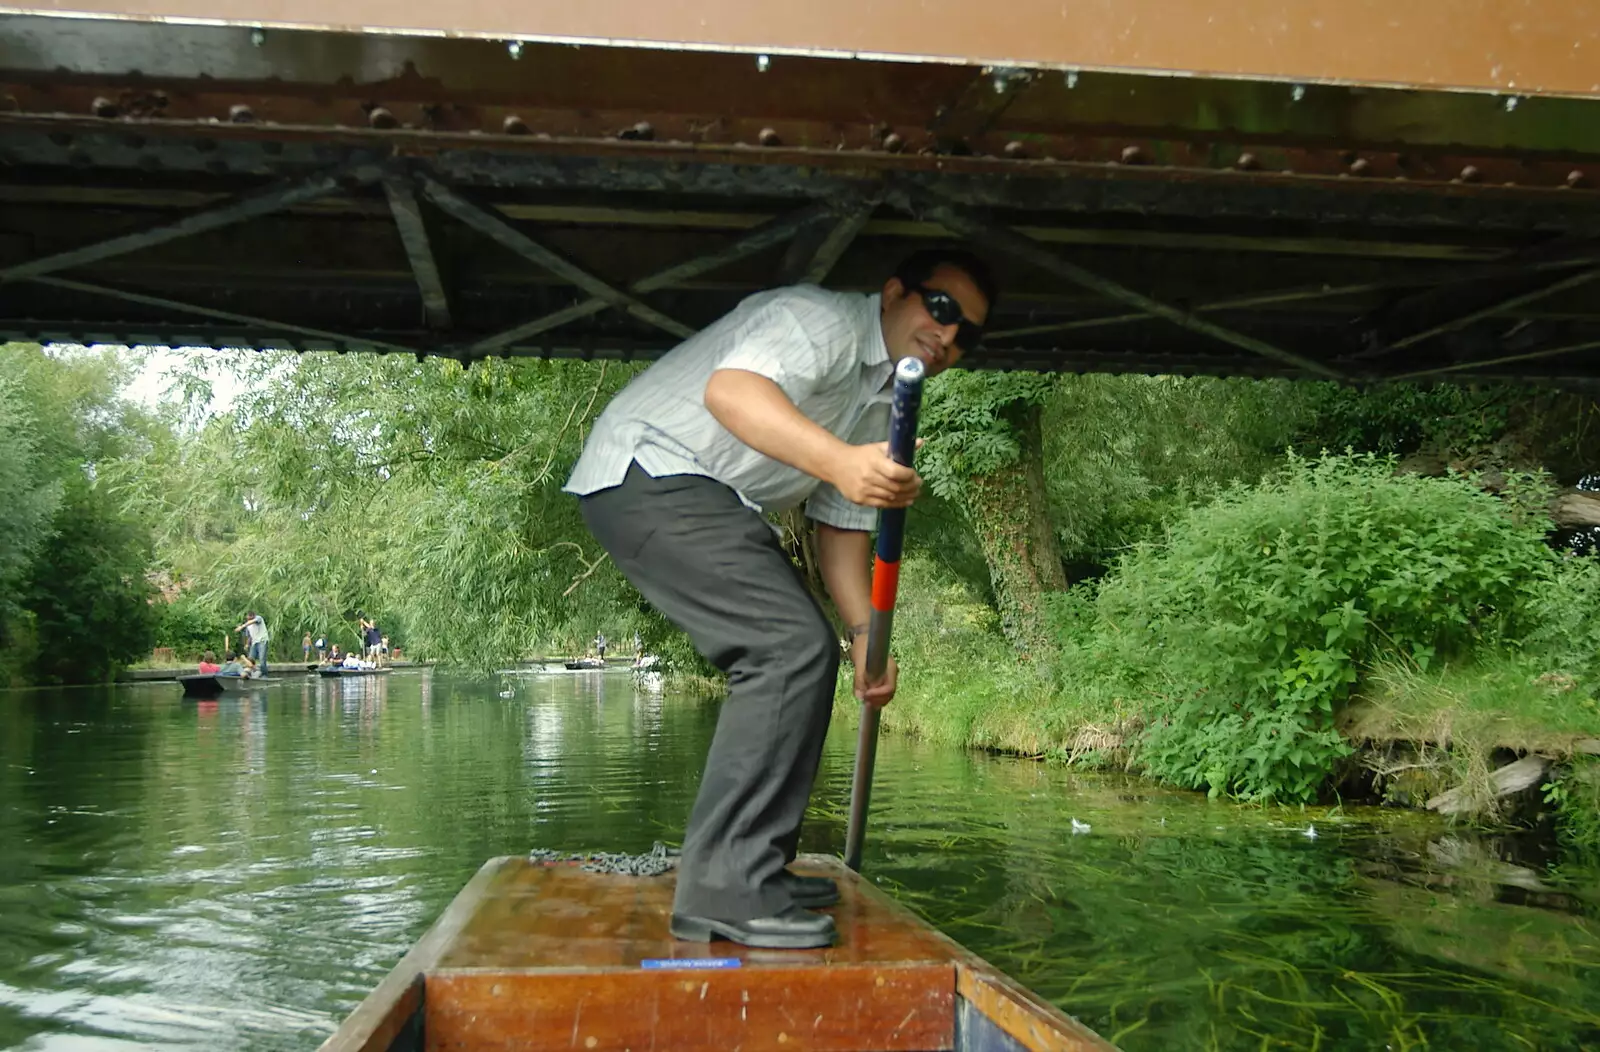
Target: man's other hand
[(875, 692), (865, 475)]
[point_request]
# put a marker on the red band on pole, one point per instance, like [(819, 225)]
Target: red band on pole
[(885, 583)]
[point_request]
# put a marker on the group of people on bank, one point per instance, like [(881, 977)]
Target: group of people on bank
[(251, 659)]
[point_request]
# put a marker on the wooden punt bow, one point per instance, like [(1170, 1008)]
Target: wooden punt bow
[(534, 956)]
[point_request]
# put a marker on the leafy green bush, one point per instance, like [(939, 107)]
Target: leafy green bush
[(1575, 795), (89, 592), (189, 626), (1402, 417), (1565, 622), (1248, 626)]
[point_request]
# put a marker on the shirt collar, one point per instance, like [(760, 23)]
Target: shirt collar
[(873, 350)]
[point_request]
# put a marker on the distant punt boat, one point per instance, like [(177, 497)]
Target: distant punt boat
[(209, 685), (546, 956), (351, 673), (586, 663)]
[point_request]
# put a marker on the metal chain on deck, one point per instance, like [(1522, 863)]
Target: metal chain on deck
[(660, 859)]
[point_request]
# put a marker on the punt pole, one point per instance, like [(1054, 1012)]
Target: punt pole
[(908, 377)]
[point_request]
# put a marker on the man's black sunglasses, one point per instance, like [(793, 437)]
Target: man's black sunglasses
[(943, 308)]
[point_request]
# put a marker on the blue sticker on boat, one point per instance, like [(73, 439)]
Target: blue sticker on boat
[(694, 963)]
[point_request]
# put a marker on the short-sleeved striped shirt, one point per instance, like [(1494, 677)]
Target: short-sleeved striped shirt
[(824, 349)]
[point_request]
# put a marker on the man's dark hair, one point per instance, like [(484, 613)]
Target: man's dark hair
[(920, 265)]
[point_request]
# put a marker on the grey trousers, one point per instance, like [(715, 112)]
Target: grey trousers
[(715, 568)]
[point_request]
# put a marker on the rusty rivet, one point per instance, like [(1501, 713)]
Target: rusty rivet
[(893, 142), (1132, 155), (644, 131), (769, 137), (103, 107), (380, 117), (1576, 178), (1247, 162), (1470, 174), (1016, 148), (514, 125), (241, 114), (1360, 166)]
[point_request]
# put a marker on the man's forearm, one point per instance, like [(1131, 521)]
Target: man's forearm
[(758, 413), (844, 558)]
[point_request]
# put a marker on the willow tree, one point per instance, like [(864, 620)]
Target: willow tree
[(1126, 455), (423, 493), (984, 452)]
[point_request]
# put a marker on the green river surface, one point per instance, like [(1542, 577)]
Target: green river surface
[(238, 874)]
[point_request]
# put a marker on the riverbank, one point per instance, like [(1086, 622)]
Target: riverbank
[(1436, 753), (1406, 737)]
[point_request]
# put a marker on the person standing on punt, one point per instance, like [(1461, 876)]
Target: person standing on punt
[(255, 631), (784, 399)]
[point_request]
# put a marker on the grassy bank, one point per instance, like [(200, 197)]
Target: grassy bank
[(962, 684), (1336, 621)]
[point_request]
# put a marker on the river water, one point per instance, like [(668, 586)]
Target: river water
[(238, 874)]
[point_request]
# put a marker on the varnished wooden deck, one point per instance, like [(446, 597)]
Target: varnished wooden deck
[(536, 956)]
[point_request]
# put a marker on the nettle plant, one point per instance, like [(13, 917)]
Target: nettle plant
[(1248, 627)]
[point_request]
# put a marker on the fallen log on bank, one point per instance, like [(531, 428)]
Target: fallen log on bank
[(1508, 780), (1569, 508), (1574, 508)]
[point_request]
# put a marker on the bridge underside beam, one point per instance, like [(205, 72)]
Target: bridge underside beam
[(263, 191)]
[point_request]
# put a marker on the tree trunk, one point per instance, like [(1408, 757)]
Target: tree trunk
[(800, 542), (1010, 516)]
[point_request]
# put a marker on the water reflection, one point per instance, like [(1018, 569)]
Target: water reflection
[(238, 873)]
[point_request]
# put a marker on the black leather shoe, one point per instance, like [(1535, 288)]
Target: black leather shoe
[(811, 892), (793, 929)]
